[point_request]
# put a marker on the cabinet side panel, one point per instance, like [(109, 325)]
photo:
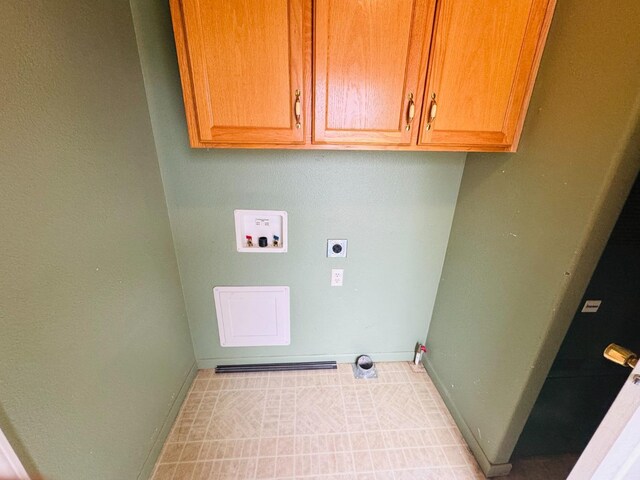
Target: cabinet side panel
[(185, 74)]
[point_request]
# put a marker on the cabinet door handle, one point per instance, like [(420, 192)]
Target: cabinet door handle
[(433, 109), (411, 112), (297, 109)]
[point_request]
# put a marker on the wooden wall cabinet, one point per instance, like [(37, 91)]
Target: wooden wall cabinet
[(369, 65), (242, 66), (359, 74), (483, 64)]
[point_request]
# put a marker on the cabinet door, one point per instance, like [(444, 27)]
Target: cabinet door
[(369, 63), (241, 64), (483, 63)]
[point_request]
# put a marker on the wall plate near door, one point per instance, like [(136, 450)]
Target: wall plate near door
[(591, 306)]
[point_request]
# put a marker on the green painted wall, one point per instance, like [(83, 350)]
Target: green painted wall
[(394, 208), (529, 227), (94, 342)]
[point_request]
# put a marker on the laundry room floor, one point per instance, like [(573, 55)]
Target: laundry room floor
[(316, 424)]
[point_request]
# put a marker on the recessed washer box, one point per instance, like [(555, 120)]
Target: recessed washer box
[(252, 316), (261, 223)]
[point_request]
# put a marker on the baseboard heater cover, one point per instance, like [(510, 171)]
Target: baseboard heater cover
[(276, 367)]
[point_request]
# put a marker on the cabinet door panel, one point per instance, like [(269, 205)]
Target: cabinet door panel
[(369, 56), (245, 64), (483, 63)]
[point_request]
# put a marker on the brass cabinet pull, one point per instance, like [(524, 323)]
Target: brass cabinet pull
[(297, 109), (620, 355), (433, 109), (411, 112)]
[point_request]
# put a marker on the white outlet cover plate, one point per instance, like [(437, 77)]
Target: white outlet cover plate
[(331, 253), (261, 223), (337, 277)]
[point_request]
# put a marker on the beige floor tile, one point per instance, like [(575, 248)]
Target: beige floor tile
[(456, 456), (285, 466), (286, 446), (197, 434), (184, 471), (304, 465), (268, 446), (165, 472), (171, 453), (191, 451), (397, 408), (366, 476), (380, 460), (466, 473), (397, 459), (250, 447), (202, 471), (307, 425), (384, 475), (266, 467), (362, 462), (319, 410), (425, 474)]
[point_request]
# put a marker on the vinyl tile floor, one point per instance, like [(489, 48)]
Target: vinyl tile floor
[(316, 424)]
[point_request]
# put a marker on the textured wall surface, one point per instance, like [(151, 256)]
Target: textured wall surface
[(529, 227), (394, 208), (94, 341)]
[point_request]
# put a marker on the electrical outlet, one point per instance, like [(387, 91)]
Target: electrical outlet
[(336, 248), (337, 276)]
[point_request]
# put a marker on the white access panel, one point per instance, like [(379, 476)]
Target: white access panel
[(252, 316)]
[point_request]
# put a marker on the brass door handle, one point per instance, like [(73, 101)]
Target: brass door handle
[(297, 109), (433, 110), (411, 112), (620, 355)]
